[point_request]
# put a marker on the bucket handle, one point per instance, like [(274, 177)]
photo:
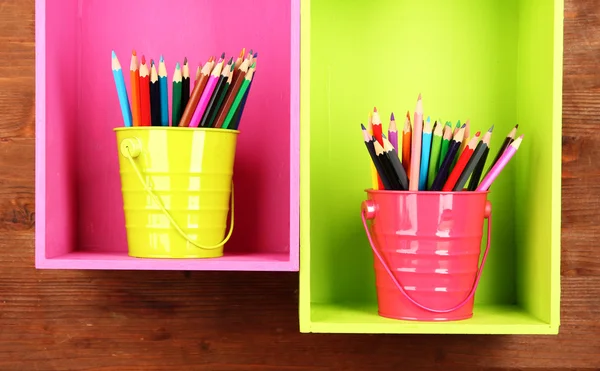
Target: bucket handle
[(368, 212), (131, 148)]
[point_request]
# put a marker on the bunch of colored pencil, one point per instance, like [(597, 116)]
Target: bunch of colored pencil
[(433, 157), (217, 99)]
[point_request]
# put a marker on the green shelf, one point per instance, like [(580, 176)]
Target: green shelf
[(493, 62)]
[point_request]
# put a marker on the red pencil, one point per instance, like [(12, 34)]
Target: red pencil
[(377, 133), (144, 93), (461, 163), (406, 141)]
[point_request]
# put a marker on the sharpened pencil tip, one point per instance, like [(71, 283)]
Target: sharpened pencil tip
[(392, 117), (463, 126), (161, 58), (177, 66), (521, 137), (491, 129), (383, 136), (223, 55), (419, 98), (408, 115), (478, 134), (134, 53), (428, 120), (363, 127), (251, 52), (114, 55), (185, 60), (143, 59), (255, 55), (230, 60), (374, 109), (517, 126), (151, 62)]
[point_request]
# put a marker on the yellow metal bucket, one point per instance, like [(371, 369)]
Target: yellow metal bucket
[(177, 186)]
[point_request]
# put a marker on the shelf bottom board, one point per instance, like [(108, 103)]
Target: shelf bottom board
[(361, 318), (122, 261)]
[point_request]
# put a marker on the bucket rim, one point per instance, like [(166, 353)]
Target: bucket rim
[(175, 128), (422, 193)]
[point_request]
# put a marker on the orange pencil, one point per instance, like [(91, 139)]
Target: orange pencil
[(144, 86), (134, 74), (461, 163), (406, 141)]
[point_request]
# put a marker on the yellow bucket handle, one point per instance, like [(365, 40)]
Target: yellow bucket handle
[(131, 148)]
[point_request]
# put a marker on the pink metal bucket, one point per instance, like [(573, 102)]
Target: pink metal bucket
[(427, 248)]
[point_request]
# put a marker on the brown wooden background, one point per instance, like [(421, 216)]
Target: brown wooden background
[(109, 321)]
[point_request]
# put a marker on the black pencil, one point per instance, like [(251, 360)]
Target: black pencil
[(399, 172), (474, 160), (370, 144), (185, 85), (507, 141), (387, 167), (442, 175), (154, 96), (212, 103)]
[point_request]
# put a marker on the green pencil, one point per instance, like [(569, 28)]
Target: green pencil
[(176, 105), (447, 137), (238, 97), (434, 158)]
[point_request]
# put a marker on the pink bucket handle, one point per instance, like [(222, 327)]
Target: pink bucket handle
[(368, 212)]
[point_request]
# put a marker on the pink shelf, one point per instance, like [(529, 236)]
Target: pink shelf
[(79, 215)]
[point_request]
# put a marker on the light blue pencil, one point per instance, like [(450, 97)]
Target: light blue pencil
[(121, 90), (164, 92), (425, 154)]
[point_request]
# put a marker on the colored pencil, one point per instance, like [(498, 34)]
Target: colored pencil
[(507, 141), (221, 97), (177, 93), (456, 128), (185, 88), (474, 161), (230, 96), (446, 138), (198, 73), (239, 96), (464, 158), (240, 59), (406, 142), (434, 158), (210, 107), (196, 93), (164, 92), (375, 180), (238, 76), (369, 143), (393, 132), (121, 90), (386, 166), (399, 172), (415, 155), (207, 92), (377, 126), (500, 164), (425, 154), (154, 95), (145, 115), (467, 136), (444, 170), (240, 110), (134, 80)]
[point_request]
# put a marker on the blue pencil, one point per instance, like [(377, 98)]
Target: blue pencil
[(164, 92), (425, 154), (238, 114), (121, 90)]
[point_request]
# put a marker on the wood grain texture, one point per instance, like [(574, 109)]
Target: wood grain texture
[(121, 321)]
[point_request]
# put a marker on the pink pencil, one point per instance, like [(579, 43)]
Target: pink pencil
[(207, 93), (499, 165), (415, 155), (393, 132)]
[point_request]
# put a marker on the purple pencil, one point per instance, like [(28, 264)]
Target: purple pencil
[(393, 132), (499, 165)]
